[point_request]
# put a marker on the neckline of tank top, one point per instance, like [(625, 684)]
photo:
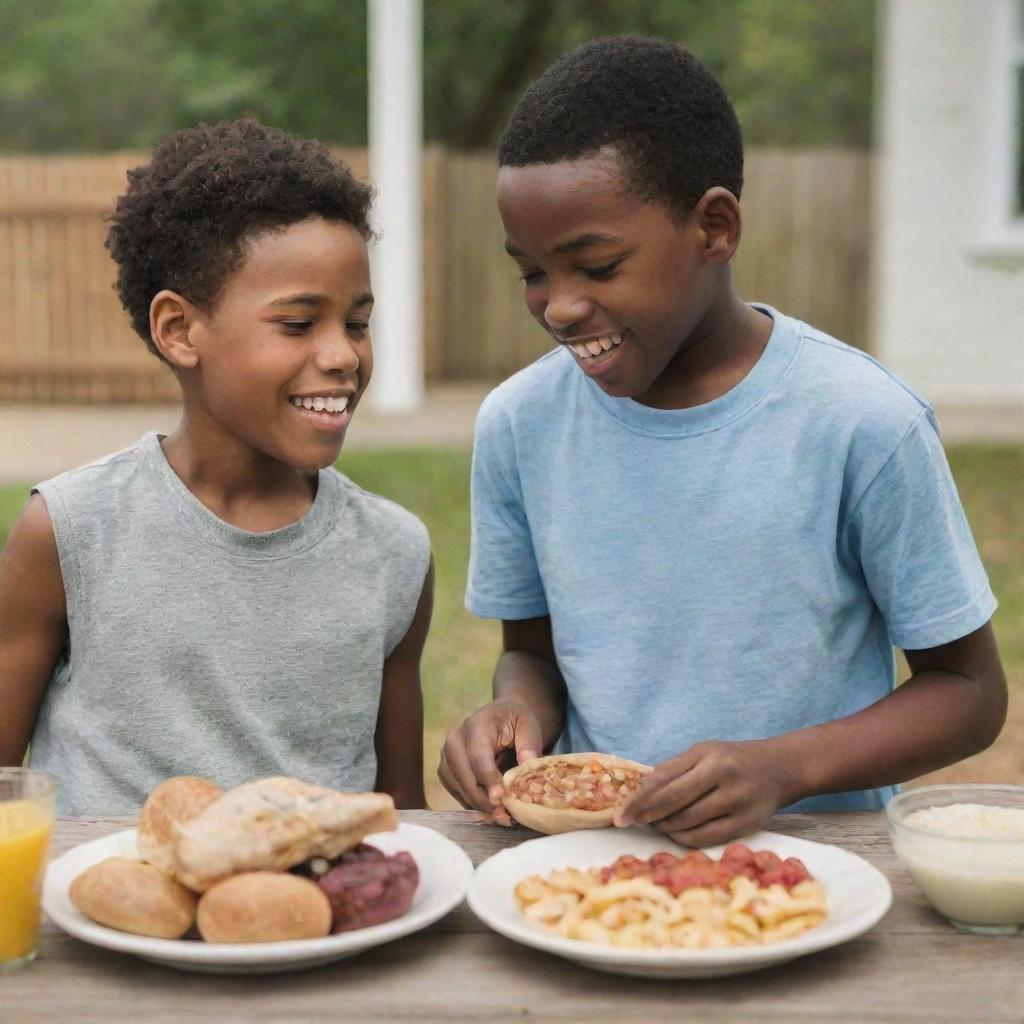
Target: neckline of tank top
[(280, 543)]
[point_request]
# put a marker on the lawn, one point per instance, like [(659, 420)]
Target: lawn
[(434, 483)]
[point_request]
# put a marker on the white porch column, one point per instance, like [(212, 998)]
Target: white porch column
[(395, 53)]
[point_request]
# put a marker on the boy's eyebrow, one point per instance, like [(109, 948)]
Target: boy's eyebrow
[(311, 299), (585, 241), (300, 299), (580, 242)]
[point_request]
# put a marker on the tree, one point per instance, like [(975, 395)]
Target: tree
[(107, 74)]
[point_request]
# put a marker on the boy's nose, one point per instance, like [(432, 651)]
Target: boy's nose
[(336, 354), (563, 311)]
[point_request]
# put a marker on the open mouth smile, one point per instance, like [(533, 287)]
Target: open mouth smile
[(330, 411), (597, 354)]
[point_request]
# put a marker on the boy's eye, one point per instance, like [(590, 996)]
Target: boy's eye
[(357, 328), (605, 270), (296, 326), (531, 276)]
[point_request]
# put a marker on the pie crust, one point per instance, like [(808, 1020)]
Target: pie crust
[(552, 820)]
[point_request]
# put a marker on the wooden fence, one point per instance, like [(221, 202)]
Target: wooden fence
[(64, 338)]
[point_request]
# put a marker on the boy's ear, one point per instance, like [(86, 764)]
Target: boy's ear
[(171, 316), (720, 224)]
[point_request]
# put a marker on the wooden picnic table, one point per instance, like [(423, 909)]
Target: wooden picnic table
[(912, 966)]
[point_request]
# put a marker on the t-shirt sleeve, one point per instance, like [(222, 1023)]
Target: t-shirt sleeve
[(911, 536), (504, 579)]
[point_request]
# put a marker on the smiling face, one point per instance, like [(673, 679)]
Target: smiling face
[(282, 358), (622, 282)]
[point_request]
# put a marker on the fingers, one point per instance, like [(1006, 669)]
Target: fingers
[(707, 808), (672, 785), (481, 754), (712, 833), (528, 740), (469, 768), (456, 775)]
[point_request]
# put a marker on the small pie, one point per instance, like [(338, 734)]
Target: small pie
[(564, 792)]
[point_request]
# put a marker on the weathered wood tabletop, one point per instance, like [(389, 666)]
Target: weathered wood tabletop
[(910, 967)]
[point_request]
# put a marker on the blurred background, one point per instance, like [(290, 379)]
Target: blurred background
[(884, 202)]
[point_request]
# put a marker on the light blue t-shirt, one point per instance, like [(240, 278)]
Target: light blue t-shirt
[(730, 571)]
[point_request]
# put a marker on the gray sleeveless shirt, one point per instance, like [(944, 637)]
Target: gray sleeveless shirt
[(196, 648)]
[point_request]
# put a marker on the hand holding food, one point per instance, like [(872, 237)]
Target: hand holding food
[(469, 760), (712, 792), (564, 792)]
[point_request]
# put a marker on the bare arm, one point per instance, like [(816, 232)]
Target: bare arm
[(524, 719), (399, 736), (528, 672), (33, 623), (952, 706)]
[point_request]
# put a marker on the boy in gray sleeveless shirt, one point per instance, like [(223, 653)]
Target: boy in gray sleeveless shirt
[(221, 601)]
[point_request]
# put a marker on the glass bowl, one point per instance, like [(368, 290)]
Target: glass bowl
[(968, 863)]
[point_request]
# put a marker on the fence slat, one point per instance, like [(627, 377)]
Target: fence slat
[(806, 248)]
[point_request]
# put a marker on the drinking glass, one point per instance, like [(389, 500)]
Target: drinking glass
[(26, 820)]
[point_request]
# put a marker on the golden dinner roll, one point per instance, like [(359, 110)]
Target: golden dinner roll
[(555, 819), (134, 897), (264, 906), (174, 801)]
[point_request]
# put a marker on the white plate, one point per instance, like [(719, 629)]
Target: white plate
[(445, 874), (859, 896)]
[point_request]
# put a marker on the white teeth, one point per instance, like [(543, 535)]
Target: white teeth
[(320, 404), (589, 350)]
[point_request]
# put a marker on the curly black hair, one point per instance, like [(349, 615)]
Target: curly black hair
[(186, 215), (662, 110)]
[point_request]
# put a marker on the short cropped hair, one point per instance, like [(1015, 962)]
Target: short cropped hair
[(186, 215), (662, 110)]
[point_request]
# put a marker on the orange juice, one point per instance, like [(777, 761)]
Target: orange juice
[(24, 842)]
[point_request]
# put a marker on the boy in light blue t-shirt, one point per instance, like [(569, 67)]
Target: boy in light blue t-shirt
[(703, 524)]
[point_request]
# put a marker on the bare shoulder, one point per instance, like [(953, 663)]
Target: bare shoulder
[(30, 561), (32, 533)]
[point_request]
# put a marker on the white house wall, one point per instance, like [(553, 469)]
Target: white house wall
[(949, 304)]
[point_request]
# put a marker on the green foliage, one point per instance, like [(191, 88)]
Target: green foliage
[(95, 75)]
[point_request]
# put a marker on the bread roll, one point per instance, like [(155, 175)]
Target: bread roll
[(553, 820), (134, 897), (264, 906), (272, 825), (173, 801)]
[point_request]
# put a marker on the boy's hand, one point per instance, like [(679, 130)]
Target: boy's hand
[(469, 760), (713, 792)]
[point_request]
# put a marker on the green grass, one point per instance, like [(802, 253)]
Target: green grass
[(460, 653)]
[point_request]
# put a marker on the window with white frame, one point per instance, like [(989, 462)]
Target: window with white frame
[(1017, 120), (1003, 233)]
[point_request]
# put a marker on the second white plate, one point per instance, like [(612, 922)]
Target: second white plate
[(859, 896), (445, 874)]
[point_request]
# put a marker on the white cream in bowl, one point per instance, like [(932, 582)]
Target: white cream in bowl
[(968, 859)]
